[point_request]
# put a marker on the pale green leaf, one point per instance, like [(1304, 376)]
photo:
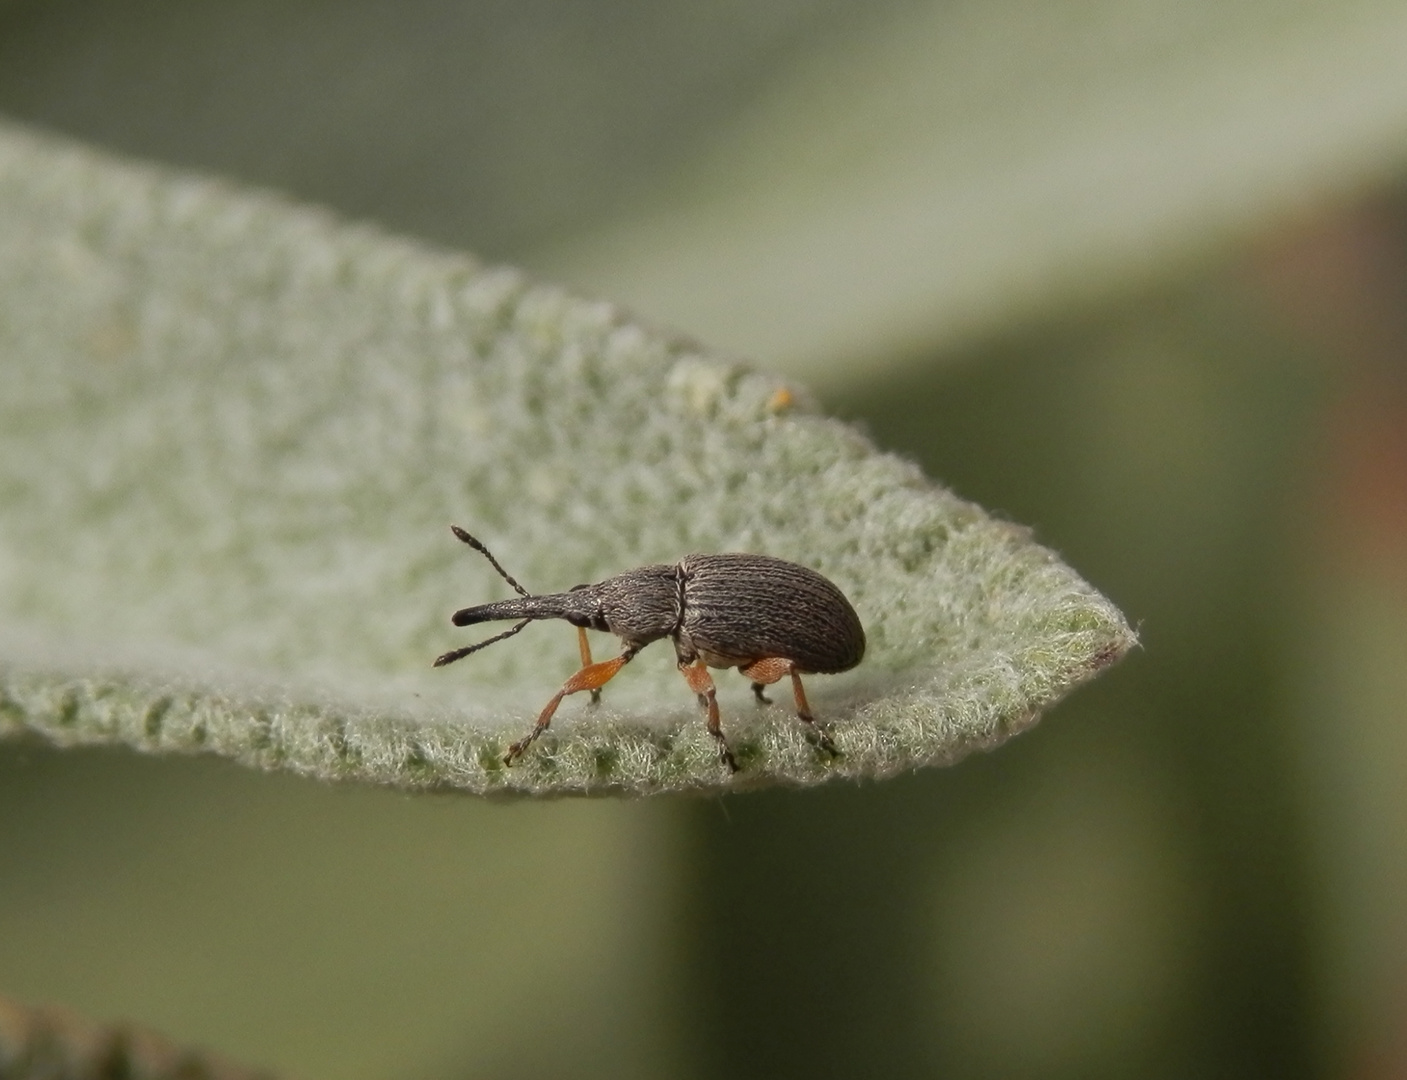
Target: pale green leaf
[(234, 431)]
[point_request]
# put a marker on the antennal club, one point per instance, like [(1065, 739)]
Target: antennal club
[(478, 546)]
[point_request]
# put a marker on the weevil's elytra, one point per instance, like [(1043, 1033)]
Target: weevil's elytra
[(766, 617)]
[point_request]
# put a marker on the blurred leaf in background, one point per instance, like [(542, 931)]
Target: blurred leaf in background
[(1339, 283), (1094, 264), (56, 1042)]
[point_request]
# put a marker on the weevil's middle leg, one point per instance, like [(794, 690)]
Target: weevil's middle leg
[(585, 647), (772, 669), (701, 682), (591, 677)]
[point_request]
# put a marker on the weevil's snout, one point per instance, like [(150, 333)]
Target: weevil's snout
[(571, 606), (499, 610)]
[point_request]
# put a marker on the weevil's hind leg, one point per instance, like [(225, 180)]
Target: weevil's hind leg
[(764, 673), (591, 677), (803, 710), (701, 682), (772, 669), (585, 647)]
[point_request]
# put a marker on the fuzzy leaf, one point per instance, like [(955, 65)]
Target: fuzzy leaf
[(233, 433)]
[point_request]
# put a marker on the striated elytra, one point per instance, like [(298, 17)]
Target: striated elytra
[(767, 617)]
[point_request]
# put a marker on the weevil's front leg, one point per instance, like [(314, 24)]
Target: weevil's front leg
[(701, 682), (591, 677), (585, 647), (765, 672)]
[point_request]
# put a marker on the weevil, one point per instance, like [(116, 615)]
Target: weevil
[(764, 616)]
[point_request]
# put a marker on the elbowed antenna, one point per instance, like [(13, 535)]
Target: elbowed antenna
[(478, 546), (472, 615), (459, 654)]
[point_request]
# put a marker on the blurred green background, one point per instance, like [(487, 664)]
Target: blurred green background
[(1113, 279)]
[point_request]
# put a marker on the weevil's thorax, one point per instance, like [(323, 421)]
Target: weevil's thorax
[(640, 605)]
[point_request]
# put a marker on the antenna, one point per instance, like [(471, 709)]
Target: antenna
[(504, 574), (460, 654)]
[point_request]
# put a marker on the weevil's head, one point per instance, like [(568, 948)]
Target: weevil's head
[(641, 606)]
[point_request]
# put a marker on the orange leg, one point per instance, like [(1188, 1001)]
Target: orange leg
[(585, 647), (701, 682), (765, 673), (591, 677), (770, 670)]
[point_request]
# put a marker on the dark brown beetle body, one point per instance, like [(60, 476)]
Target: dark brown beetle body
[(739, 609), (766, 617)]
